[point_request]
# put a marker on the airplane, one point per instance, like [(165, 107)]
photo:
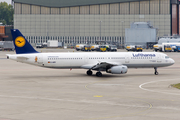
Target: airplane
[(115, 63)]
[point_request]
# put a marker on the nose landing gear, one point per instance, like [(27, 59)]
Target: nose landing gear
[(156, 72)]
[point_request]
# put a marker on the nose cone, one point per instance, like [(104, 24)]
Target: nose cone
[(172, 61)]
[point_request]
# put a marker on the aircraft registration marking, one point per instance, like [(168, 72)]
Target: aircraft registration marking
[(51, 61)]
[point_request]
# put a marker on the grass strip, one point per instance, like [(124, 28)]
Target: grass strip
[(176, 85)]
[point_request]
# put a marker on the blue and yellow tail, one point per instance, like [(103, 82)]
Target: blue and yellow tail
[(22, 46)]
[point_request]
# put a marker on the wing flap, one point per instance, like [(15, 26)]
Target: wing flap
[(100, 65), (88, 66)]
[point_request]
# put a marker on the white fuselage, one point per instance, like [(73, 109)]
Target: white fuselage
[(87, 60)]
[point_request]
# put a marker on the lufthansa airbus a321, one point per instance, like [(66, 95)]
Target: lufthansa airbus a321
[(115, 63)]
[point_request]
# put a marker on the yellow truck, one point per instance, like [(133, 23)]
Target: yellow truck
[(102, 48), (137, 48), (94, 47), (87, 48), (167, 48), (157, 47), (79, 47)]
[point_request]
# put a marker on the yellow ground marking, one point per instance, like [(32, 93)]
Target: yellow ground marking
[(125, 115), (86, 86), (141, 112), (97, 96)]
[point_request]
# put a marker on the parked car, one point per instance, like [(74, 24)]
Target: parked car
[(39, 45)]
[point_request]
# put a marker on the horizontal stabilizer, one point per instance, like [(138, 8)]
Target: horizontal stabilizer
[(22, 57)]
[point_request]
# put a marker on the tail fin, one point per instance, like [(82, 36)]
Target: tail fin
[(22, 46)]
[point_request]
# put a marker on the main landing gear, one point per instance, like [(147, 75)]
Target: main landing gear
[(156, 72), (98, 74), (89, 72)]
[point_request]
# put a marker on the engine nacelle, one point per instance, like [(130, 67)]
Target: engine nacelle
[(118, 69)]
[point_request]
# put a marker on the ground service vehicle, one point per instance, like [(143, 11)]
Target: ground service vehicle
[(39, 45), (107, 47), (87, 48), (44, 44), (94, 47), (176, 48), (102, 48), (112, 48), (52, 43), (79, 47), (138, 48), (157, 47), (134, 48), (167, 48)]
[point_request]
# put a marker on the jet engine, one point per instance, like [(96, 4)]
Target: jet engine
[(117, 69)]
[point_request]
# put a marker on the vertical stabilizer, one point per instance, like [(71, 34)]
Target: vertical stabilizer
[(22, 46)]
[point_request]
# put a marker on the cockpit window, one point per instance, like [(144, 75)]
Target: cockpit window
[(166, 57)]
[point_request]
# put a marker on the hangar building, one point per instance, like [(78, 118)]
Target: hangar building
[(84, 21)]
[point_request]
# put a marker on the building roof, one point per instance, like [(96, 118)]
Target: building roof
[(69, 3)]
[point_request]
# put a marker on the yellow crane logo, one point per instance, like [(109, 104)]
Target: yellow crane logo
[(20, 41)]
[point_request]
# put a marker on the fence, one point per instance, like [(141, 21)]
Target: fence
[(68, 40)]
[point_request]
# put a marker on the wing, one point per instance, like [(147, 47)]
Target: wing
[(101, 66)]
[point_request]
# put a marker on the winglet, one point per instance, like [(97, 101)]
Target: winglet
[(22, 46)]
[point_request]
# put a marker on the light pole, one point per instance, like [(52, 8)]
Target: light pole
[(122, 31), (47, 25), (100, 29)]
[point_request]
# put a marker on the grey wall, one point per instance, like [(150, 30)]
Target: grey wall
[(140, 36), (85, 25)]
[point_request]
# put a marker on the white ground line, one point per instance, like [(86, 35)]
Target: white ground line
[(140, 86), (85, 101)]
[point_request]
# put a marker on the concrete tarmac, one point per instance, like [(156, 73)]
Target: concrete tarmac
[(33, 93)]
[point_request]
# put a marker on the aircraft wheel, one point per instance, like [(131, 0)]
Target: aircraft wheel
[(156, 73), (89, 72), (98, 74)]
